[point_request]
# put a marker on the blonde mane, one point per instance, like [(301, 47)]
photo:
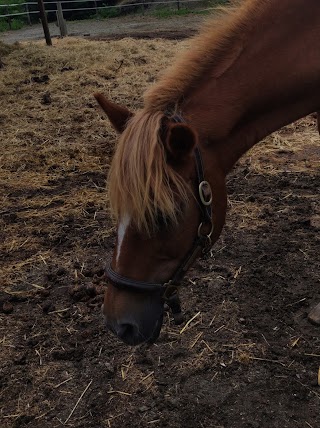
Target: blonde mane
[(142, 184)]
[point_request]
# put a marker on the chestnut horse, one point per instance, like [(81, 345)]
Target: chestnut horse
[(245, 76)]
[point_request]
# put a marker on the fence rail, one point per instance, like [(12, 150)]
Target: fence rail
[(30, 12), (95, 7)]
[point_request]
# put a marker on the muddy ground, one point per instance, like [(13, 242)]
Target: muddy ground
[(248, 359)]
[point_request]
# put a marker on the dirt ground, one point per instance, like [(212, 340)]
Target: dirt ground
[(246, 357), (147, 26)]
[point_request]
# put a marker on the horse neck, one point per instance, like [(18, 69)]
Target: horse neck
[(270, 77)]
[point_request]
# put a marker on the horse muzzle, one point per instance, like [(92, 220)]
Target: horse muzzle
[(133, 334), (133, 327)]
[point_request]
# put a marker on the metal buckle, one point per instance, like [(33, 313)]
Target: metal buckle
[(208, 243), (205, 192), (208, 235)]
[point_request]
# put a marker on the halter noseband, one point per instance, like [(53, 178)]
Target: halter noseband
[(168, 291)]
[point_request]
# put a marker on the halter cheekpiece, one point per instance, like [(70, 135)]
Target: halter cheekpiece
[(168, 291)]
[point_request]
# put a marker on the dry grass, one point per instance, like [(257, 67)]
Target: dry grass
[(291, 149), (56, 144), (6, 49)]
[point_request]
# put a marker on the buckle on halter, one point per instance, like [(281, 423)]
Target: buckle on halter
[(205, 193), (205, 237)]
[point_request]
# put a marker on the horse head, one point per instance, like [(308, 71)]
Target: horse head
[(169, 209)]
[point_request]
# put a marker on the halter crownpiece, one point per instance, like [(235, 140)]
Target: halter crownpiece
[(168, 291)]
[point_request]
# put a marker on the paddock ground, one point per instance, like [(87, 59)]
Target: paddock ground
[(249, 358), (148, 26)]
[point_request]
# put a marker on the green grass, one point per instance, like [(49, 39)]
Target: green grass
[(159, 12), (109, 13), (164, 13), (16, 24)]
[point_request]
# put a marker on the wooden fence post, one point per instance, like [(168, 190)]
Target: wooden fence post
[(61, 21), (44, 21), (8, 18), (28, 13)]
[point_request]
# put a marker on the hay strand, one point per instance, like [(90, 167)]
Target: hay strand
[(78, 401)]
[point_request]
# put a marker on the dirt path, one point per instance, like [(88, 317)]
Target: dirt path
[(131, 26)]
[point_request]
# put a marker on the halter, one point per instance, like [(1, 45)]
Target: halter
[(168, 291)]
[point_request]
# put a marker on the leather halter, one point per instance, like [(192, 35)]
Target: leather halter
[(202, 243)]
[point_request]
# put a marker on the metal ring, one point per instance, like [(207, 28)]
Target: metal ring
[(204, 185), (205, 234)]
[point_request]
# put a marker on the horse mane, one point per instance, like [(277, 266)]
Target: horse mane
[(141, 183), (208, 49)]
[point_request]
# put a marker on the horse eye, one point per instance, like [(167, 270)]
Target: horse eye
[(163, 222)]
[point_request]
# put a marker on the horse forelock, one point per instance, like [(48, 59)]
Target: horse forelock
[(141, 183)]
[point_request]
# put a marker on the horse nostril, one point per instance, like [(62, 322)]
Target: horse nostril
[(125, 331)]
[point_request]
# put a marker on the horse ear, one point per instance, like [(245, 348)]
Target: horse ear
[(117, 115), (180, 141)]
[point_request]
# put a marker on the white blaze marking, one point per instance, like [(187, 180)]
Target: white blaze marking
[(123, 225)]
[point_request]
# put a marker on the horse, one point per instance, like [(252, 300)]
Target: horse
[(245, 76)]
